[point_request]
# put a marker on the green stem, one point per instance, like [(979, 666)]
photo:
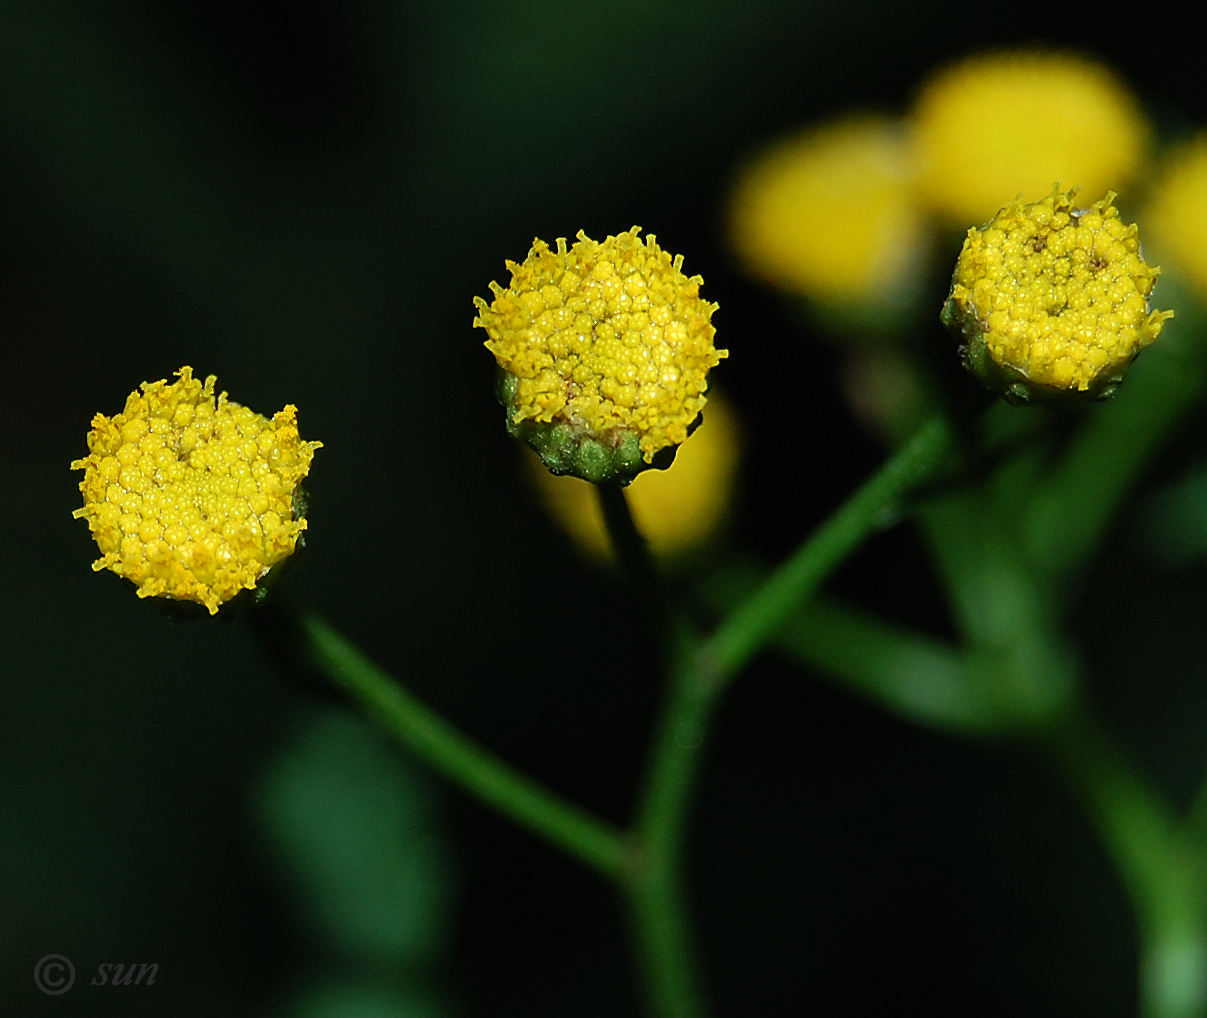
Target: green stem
[(908, 673), (1005, 614), (463, 761), (654, 884), (1161, 867), (749, 628), (633, 553)]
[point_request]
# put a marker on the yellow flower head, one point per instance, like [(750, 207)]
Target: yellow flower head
[(1176, 217), (1052, 300), (192, 498), (676, 510), (829, 213), (1000, 125), (605, 350)]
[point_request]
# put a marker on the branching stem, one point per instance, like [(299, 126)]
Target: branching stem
[(753, 624), (462, 760)]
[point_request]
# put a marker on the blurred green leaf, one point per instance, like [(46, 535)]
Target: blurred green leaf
[(348, 1000), (353, 825)]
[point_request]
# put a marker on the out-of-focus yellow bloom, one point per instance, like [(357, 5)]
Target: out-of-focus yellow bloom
[(189, 497), (829, 213), (676, 509), (1176, 217), (1052, 300), (608, 345), (1004, 125)]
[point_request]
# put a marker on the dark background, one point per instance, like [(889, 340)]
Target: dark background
[(303, 198)]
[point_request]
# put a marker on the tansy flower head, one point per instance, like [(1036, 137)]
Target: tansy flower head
[(605, 350), (677, 510), (1051, 301), (1176, 217), (1000, 124), (189, 497), (829, 213)]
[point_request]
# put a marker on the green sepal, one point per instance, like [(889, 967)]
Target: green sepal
[(569, 449)]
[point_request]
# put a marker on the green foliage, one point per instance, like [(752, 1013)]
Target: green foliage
[(354, 834)]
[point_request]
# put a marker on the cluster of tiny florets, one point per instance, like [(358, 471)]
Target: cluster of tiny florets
[(1059, 294), (610, 337), (192, 497)]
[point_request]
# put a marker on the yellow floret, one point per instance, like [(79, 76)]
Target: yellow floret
[(676, 510), (1176, 217), (830, 213), (1057, 295), (189, 497), (609, 337), (1004, 124)]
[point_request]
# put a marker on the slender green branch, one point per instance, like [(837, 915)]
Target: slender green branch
[(1161, 867), (908, 673), (749, 628), (654, 884), (655, 887), (633, 553), (461, 760), (1135, 825), (1005, 612), (656, 905)]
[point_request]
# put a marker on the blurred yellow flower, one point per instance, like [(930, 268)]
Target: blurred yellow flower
[(189, 497), (677, 509), (606, 348), (829, 214), (1004, 125), (1176, 217), (1052, 300)]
